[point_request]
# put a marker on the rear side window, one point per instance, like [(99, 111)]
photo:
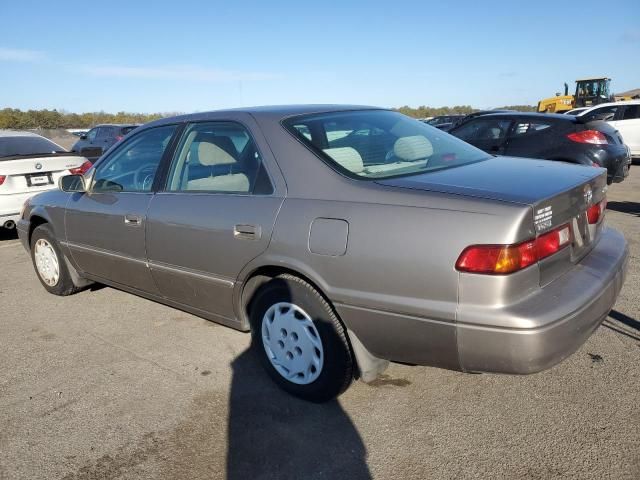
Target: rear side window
[(379, 143), (218, 157), (603, 113), (527, 128), (631, 112), (24, 145)]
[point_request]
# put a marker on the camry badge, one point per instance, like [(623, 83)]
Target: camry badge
[(588, 194), (38, 166)]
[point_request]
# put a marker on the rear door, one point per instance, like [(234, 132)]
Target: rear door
[(627, 122), (214, 216), (531, 138), (105, 227)]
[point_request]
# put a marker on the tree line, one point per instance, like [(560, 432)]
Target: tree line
[(424, 111), (18, 119)]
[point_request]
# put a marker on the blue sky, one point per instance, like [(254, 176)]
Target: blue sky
[(185, 56)]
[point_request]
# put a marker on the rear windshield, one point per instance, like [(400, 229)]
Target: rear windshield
[(23, 146), (380, 144)]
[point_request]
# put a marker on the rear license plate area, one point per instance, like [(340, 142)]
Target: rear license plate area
[(39, 179)]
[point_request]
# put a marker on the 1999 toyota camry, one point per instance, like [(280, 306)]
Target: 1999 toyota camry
[(343, 238)]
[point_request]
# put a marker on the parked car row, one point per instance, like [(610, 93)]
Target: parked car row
[(565, 138), (346, 237), (30, 164), (99, 139)]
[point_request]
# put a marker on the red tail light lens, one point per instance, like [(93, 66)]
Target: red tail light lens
[(82, 169), (595, 212), (593, 137), (2, 179), (504, 259)]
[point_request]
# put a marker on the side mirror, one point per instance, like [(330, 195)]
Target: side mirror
[(72, 183), (83, 136)]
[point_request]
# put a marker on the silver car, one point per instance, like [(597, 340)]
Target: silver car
[(343, 238)]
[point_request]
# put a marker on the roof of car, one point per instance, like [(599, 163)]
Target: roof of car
[(609, 104), (273, 112), (532, 115), (17, 133)]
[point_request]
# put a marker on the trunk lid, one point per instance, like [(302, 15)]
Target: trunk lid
[(558, 194), (36, 173)]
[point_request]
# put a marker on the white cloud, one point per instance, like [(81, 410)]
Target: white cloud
[(176, 72), (20, 55)]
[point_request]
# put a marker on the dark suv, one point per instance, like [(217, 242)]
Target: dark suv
[(100, 138), (565, 138)]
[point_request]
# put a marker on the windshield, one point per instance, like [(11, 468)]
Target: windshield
[(26, 145), (381, 143)]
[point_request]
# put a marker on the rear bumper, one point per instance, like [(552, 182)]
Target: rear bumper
[(528, 336), (568, 311)]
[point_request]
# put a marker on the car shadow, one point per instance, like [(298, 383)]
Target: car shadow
[(274, 435), (632, 208), (6, 234), (625, 320)]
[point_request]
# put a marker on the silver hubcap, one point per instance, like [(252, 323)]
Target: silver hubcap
[(47, 262), (292, 343)]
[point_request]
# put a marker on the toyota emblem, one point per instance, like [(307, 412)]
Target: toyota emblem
[(38, 166)]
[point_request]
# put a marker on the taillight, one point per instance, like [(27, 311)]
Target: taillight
[(82, 169), (503, 259), (593, 137), (2, 179), (594, 212)]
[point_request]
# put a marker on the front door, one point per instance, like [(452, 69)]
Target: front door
[(215, 215), (105, 227)]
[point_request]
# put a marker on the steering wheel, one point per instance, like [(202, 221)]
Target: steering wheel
[(143, 176)]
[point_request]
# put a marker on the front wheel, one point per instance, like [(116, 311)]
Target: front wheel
[(299, 339), (49, 263)]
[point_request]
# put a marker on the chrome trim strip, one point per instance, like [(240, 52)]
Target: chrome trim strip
[(101, 251), (192, 273), (157, 265)]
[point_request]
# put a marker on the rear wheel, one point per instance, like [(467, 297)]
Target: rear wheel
[(299, 339), (49, 262)]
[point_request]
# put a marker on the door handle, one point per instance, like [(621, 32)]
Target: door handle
[(249, 232), (133, 220)]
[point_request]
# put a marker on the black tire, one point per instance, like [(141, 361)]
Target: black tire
[(337, 370), (64, 285)]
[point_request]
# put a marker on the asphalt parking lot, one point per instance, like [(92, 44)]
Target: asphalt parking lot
[(104, 384)]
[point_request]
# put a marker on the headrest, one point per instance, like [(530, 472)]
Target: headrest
[(415, 147), (347, 157), (215, 150)]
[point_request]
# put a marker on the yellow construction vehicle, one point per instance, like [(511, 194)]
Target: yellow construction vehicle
[(589, 92)]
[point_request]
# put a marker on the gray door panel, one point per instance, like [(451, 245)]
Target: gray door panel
[(197, 244), (106, 235)]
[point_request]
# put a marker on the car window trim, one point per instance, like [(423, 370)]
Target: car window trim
[(122, 145), (163, 187)]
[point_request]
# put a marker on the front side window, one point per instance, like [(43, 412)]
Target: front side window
[(631, 112), (132, 167), (380, 143), (483, 129), (217, 157)]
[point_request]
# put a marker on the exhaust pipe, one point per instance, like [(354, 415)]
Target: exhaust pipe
[(9, 225)]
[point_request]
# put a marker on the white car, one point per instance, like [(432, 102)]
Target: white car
[(624, 117), (30, 164)]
